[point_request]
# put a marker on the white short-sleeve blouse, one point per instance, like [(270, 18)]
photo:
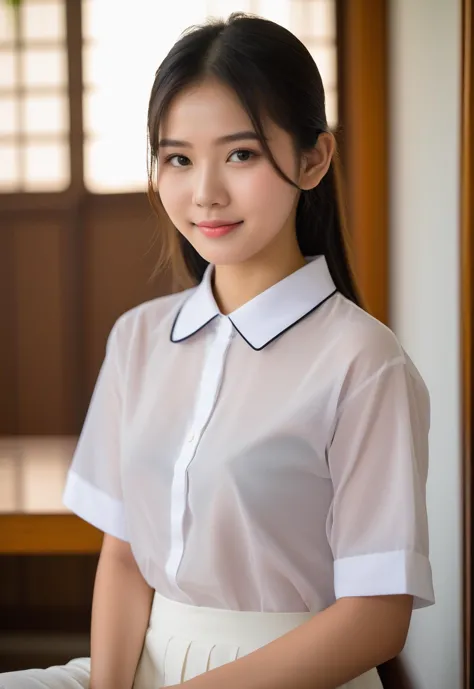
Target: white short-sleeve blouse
[(271, 460)]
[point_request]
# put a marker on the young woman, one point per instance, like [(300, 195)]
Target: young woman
[(256, 447)]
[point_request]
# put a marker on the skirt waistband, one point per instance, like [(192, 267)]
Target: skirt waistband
[(227, 626)]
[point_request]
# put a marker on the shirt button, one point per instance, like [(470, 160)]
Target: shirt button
[(191, 438)]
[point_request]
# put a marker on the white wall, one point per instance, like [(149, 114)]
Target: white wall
[(425, 96)]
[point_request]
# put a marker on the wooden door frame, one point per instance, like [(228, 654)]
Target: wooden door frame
[(363, 88), (467, 322)]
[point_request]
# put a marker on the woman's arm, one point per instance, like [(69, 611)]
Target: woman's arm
[(347, 639), (120, 613)]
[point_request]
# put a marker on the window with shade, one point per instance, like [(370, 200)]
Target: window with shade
[(122, 45), (34, 105)]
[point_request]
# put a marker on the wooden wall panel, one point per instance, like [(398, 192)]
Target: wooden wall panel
[(8, 329), (65, 276), (120, 253), (40, 321)]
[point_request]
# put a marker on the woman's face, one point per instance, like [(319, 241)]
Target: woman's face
[(212, 169)]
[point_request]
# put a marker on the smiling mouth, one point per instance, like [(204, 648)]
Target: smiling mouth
[(217, 230)]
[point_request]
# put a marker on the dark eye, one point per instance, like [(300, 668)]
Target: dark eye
[(178, 161), (242, 156)]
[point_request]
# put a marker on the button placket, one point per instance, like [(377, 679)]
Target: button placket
[(209, 387)]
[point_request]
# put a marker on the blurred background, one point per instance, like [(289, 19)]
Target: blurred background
[(78, 244)]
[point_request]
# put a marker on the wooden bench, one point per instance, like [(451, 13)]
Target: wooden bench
[(33, 519)]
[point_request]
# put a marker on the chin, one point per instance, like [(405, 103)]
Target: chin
[(223, 255), (227, 258)]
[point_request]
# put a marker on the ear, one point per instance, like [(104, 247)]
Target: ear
[(315, 162)]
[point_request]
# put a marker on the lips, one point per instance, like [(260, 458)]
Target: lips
[(217, 228), (216, 223)]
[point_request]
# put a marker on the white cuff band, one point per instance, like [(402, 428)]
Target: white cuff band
[(95, 506), (383, 574)]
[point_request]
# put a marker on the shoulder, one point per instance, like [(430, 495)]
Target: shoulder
[(366, 348), (358, 336), (147, 321)]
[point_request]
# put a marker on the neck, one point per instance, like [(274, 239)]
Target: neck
[(234, 285)]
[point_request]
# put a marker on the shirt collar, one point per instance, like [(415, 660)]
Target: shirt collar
[(268, 315)]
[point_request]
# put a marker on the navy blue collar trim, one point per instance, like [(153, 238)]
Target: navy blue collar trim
[(256, 349)]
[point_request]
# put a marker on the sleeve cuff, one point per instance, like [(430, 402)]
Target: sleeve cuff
[(95, 506), (383, 574)]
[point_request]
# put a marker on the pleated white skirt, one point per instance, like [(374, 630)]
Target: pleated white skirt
[(183, 641)]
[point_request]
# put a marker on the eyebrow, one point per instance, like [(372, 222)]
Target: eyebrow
[(229, 138)]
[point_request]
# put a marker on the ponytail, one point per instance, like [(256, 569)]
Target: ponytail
[(321, 229)]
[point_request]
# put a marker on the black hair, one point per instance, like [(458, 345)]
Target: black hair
[(273, 74)]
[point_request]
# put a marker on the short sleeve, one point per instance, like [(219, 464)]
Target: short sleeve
[(378, 461), (93, 487)]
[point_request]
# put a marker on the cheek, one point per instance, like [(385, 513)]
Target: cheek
[(268, 195), (172, 194)]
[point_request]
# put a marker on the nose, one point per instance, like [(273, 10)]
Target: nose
[(209, 189)]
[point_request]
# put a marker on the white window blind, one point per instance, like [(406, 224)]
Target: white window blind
[(34, 108), (124, 43)]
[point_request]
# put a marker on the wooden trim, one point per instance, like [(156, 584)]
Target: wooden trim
[(467, 321), (47, 534), (363, 88), (75, 88)]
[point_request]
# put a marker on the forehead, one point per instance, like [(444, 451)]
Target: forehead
[(205, 108)]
